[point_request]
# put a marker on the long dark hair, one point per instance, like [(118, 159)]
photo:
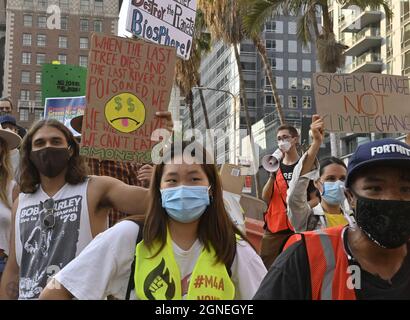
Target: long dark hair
[(5, 172), (215, 226), (30, 178)]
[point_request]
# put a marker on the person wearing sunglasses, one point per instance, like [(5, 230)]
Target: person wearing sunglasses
[(8, 191), (60, 210), (187, 248)]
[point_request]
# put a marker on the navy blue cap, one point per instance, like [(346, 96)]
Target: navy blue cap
[(385, 150), (8, 119)]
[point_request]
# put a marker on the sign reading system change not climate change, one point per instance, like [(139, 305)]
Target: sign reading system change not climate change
[(363, 102)]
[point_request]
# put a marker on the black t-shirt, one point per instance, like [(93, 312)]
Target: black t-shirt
[(287, 171), (289, 279)]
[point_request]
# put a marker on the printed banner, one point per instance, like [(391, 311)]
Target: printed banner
[(62, 80), (167, 22), (363, 102), (128, 81), (65, 109)]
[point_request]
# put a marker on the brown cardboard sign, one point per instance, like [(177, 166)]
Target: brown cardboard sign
[(232, 180), (363, 102), (128, 81)]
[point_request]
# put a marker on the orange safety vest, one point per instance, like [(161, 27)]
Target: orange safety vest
[(276, 217), (328, 263)]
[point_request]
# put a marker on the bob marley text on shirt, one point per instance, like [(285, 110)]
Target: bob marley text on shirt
[(46, 250), (159, 285)]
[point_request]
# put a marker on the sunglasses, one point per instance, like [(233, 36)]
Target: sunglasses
[(49, 220)]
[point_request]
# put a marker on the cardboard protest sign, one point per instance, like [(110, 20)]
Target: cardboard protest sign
[(363, 102), (232, 180), (128, 81), (62, 80), (167, 22), (64, 109)]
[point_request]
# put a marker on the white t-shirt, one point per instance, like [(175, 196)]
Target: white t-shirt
[(41, 252), (103, 268), (5, 219)]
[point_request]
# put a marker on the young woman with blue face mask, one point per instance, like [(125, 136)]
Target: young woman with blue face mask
[(328, 177), (188, 249)]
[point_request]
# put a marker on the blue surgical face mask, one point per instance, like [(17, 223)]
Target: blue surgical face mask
[(333, 192), (185, 204)]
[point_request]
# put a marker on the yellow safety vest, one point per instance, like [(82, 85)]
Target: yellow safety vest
[(159, 277)]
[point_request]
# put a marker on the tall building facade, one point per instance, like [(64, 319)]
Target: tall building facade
[(376, 44), (292, 66), (31, 42)]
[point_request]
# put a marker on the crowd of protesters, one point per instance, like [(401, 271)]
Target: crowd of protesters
[(81, 228)]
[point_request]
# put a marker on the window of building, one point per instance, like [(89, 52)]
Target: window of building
[(38, 77), (23, 114), (306, 65), (274, 45), (64, 4), (38, 114), (25, 95), (307, 102), (83, 61), (41, 40), (98, 26), (83, 43), (41, 58), (246, 47), (62, 58), (99, 5), (64, 23), (250, 66), (28, 4), (42, 4), (62, 42), (26, 58), (307, 48), (83, 25), (293, 83), (404, 10), (292, 46), (306, 82), (25, 77), (38, 96), (42, 22), (292, 27), (292, 65), (85, 5), (26, 39), (28, 20), (270, 26), (279, 82), (249, 84), (293, 102)]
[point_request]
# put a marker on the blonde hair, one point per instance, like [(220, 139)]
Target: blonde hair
[(5, 172)]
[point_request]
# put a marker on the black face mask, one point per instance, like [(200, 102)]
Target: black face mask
[(50, 161), (385, 222)]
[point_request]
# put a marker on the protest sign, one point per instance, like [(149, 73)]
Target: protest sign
[(363, 102), (128, 81), (62, 80), (64, 109), (167, 22)]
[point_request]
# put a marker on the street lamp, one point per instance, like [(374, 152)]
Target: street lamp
[(234, 106)]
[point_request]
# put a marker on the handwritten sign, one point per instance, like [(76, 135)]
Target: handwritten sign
[(64, 109), (167, 22), (363, 102), (62, 80), (128, 81)]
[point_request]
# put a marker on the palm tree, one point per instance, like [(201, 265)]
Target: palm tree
[(187, 73), (330, 52), (253, 31), (224, 19)]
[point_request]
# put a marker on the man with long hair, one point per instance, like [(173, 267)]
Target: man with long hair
[(60, 210)]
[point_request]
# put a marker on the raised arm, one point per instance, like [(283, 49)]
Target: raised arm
[(9, 285)]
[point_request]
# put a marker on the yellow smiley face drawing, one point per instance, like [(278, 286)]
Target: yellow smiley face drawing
[(125, 112)]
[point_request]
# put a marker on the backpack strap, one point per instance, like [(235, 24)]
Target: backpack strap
[(131, 284)]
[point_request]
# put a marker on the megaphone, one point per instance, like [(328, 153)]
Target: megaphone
[(271, 162)]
